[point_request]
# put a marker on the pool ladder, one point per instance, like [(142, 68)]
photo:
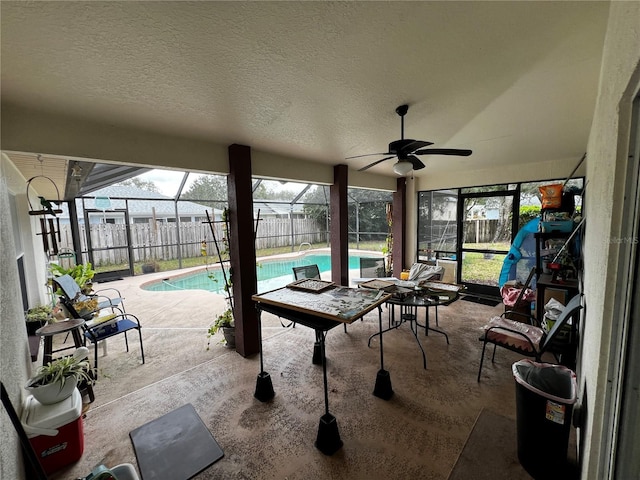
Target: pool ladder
[(304, 243)]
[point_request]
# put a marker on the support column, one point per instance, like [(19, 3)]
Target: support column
[(339, 226), (242, 249), (398, 228)]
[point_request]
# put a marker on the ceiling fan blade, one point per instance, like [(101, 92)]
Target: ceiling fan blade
[(415, 161), (444, 151), (369, 155), (374, 163), (415, 145)]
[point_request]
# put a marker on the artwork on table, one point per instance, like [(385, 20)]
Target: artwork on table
[(341, 303), (311, 284)]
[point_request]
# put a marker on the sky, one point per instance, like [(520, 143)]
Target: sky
[(168, 181)]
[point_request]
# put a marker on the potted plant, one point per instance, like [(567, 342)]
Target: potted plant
[(150, 266), (37, 317), (83, 275), (223, 322), (56, 380)]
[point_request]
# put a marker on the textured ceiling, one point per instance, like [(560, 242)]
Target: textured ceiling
[(513, 81)]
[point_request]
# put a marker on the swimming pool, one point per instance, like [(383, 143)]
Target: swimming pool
[(271, 274)]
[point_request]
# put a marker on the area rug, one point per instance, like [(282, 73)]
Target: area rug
[(175, 446), (490, 451)]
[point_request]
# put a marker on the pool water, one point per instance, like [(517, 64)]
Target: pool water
[(271, 274)]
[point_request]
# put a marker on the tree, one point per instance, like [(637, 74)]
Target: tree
[(207, 187), (147, 185)]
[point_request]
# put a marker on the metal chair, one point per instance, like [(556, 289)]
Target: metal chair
[(372, 267), (528, 339), (308, 271), (98, 328)]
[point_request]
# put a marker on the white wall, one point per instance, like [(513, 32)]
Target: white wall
[(15, 362), (606, 162)]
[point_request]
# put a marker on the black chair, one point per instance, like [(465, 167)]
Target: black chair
[(528, 339), (372, 267), (308, 271)]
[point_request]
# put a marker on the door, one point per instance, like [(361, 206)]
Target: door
[(485, 232), (108, 243)]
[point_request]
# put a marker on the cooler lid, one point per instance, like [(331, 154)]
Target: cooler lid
[(56, 415)]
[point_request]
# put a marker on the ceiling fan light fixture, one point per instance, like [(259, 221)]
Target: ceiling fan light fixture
[(403, 167)]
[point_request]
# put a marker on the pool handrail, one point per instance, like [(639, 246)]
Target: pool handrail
[(304, 243)]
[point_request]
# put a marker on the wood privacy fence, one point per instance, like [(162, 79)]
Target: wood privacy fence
[(163, 241), (480, 231)]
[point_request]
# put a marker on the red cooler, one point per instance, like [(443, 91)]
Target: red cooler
[(55, 431)]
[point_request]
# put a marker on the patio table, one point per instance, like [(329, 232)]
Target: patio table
[(321, 311)]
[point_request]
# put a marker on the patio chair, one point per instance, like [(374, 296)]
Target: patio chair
[(528, 339), (71, 293), (107, 326), (372, 267), (98, 328), (308, 271)]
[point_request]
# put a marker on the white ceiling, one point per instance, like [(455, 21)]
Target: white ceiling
[(516, 82)]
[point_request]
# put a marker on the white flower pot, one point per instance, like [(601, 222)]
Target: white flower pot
[(53, 392)]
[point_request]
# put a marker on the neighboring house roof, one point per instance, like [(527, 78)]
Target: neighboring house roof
[(271, 208), (144, 203)]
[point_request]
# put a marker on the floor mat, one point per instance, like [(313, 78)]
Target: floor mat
[(483, 300), (177, 445)]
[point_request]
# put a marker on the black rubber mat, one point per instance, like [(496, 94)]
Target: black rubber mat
[(176, 446)]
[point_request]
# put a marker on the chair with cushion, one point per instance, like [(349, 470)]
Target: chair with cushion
[(106, 320), (528, 339), (110, 325), (71, 293)]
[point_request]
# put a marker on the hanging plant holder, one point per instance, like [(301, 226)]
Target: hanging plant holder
[(45, 206), (49, 227)]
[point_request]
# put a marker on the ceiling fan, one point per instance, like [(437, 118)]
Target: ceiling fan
[(407, 149)]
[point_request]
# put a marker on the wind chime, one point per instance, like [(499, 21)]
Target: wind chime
[(48, 213)]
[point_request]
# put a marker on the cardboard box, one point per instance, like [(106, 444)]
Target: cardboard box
[(55, 431), (558, 293)]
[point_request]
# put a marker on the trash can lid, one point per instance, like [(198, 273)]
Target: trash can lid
[(555, 382)]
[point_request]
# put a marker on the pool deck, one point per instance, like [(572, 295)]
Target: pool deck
[(174, 332)]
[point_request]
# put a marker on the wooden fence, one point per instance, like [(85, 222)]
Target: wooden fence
[(162, 241)]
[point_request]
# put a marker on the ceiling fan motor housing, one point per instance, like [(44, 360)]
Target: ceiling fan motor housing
[(399, 146)]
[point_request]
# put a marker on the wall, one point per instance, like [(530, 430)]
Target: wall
[(14, 350), (606, 161)]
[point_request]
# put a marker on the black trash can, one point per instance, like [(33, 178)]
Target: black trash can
[(545, 394)]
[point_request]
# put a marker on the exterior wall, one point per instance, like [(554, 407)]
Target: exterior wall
[(14, 350), (606, 163)]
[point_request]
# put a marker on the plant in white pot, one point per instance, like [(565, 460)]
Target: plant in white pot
[(56, 380)]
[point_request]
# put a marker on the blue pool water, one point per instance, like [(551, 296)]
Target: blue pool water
[(271, 274)]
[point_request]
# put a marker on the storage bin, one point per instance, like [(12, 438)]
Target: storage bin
[(557, 226), (55, 431)]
